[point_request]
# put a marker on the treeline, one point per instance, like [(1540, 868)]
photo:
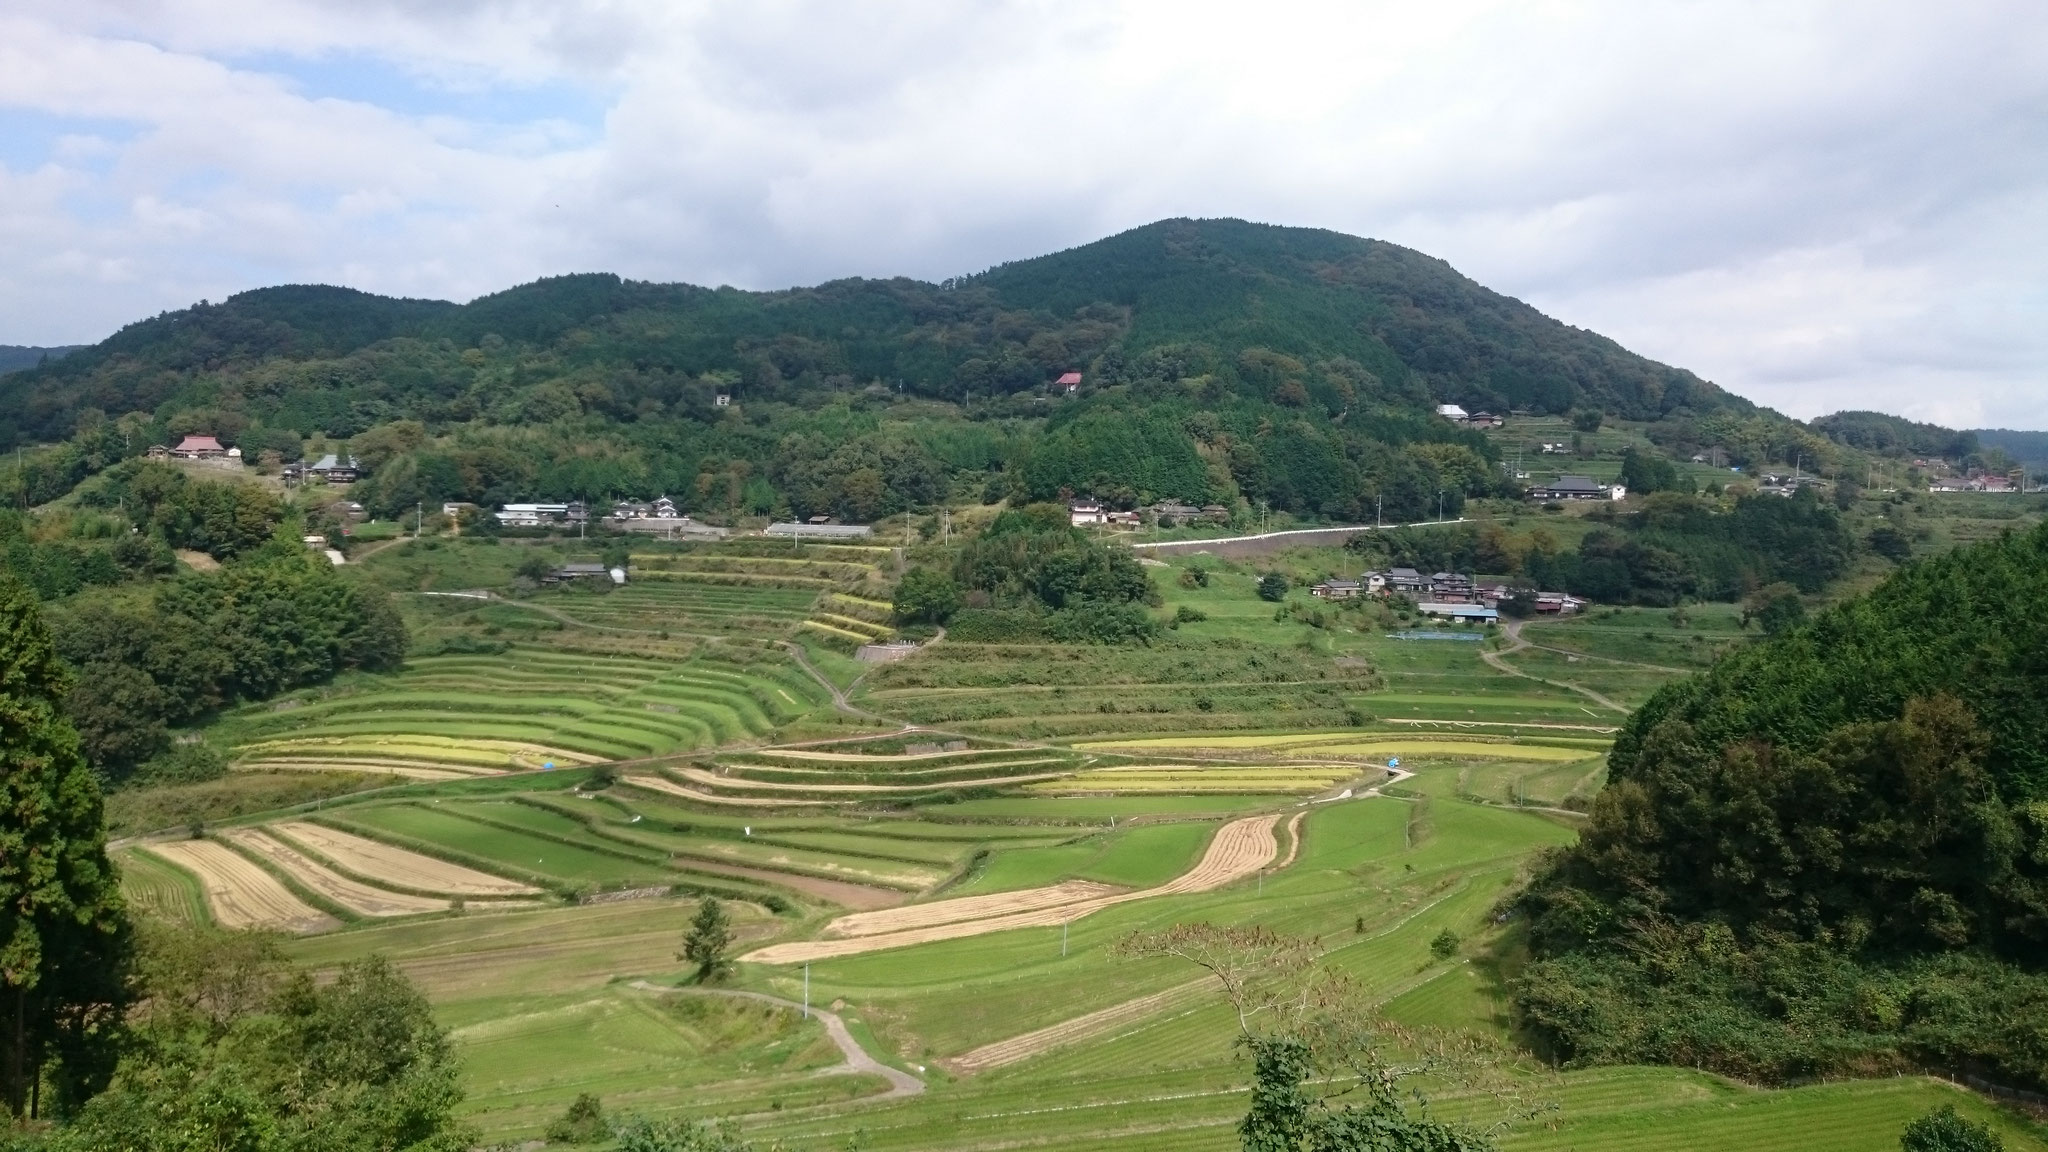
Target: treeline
[(1827, 853), (1030, 575), (148, 660), (1672, 547)]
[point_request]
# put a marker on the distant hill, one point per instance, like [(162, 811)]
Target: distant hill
[(1414, 331), (15, 357), (2029, 448), (1895, 435)]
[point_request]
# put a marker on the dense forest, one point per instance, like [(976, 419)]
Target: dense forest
[(1222, 362), (1829, 852)]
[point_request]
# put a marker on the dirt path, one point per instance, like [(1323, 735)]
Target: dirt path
[(1240, 849), (858, 1062), (1514, 631)]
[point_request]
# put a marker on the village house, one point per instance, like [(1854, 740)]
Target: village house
[(1452, 412), (1484, 420), (1452, 588), (1400, 582), (1082, 512), (1068, 383), (568, 572), (1577, 488), (199, 448), (1337, 590)]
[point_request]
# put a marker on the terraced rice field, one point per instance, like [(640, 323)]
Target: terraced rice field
[(1240, 849), (457, 715), (1195, 779), (240, 894), (396, 866), (359, 898)]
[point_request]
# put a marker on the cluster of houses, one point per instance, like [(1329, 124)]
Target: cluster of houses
[(1457, 415), (1983, 482), (1445, 595), (328, 469), (1166, 514)]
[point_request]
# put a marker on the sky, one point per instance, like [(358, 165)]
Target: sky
[(1817, 205)]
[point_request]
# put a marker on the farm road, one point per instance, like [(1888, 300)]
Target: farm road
[(1514, 631), (858, 1061)]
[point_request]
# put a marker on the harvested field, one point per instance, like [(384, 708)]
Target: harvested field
[(700, 776), (357, 897), (1241, 848), (238, 893), (663, 784), (844, 893), (966, 908), (862, 757), (382, 862), (1088, 1027), (408, 771)]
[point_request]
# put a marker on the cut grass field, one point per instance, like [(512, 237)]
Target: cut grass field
[(239, 893)]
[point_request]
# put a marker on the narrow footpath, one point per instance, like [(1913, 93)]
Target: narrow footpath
[(1514, 631), (858, 1062)]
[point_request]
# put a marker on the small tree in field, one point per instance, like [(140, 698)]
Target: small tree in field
[(709, 936), (1943, 1131), (1273, 587), (1326, 1076)]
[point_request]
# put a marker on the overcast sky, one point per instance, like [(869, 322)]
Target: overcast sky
[(1819, 206)]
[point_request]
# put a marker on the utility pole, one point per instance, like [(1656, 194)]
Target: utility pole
[(419, 514), (1063, 937), (1379, 508), (807, 991)]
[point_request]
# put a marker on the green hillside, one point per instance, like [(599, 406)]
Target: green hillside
[(1827, 853), (1223, 362)]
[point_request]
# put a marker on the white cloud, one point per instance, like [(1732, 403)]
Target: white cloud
[(1817, 205)]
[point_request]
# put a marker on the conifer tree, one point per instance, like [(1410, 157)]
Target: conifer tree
[(64, 934)]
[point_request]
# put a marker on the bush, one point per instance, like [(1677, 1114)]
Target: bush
[(191, 763), (583, 1123), (1943, 1131), (1445, 945), (1273, 587), (1188, 614)]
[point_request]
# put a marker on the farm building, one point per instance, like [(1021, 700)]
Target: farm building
[(797, 531), (1086, 512), (530, 515), (1463, 613), (1337, 589), (1452, 412), (1577, 488), (568, 572), (1069, 382)]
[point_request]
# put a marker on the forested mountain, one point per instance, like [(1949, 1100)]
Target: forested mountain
[(1222, 361), (1895, 435), (15, 357), (2029, 448), (1828, 852)]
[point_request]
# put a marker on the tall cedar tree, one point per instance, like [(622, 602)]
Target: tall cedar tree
[(710, 935), (64, 933)]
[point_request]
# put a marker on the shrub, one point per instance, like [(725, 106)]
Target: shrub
[(1943, 1131), (1445, 945), (583, 1123), (1188, 614), (1273, 587)]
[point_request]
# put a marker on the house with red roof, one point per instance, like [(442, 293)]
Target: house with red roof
[(199, 448), (1069, 383)]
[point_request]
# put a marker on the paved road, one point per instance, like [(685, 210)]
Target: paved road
[(858, 1061)]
